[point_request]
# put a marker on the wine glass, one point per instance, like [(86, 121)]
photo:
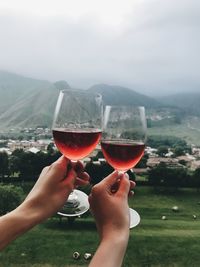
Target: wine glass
[(123, 140), (77, 127)]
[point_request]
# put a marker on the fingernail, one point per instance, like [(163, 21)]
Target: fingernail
[(120, 174)]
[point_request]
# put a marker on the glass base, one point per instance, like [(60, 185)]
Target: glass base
[(76, 205), (134, 218)]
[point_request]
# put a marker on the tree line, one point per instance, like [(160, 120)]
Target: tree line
[(25, 165)]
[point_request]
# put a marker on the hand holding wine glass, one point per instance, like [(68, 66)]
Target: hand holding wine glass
[(77, 128), (111, 213), (123, 140)]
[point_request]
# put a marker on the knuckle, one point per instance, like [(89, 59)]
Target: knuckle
[(56, 166), (95, 189), (45, 168)]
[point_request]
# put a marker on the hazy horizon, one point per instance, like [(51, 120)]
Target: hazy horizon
[(151, 45)]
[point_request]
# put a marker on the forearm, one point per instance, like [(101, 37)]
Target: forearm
[(15, 223), (110, 252)]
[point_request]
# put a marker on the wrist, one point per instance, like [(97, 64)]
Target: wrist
[(111, 249), (15, 223), (115, 236)]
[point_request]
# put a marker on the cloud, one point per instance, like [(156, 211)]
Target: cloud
[(153, 46)]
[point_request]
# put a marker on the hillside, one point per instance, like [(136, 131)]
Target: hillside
[(117, 95), (25, 102), (13, 87), (188, 102)]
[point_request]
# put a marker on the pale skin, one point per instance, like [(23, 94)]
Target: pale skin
[(47, 196), (108, 204)]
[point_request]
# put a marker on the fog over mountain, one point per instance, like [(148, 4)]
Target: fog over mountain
[(152, 45)]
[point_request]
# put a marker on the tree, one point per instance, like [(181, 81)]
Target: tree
[(3, 164), (20, 138), (178, 151), (175, 178), (169, 178), (29, 165), (196, 178), (50, 148), (15, 161), (4, 143), (143, 162), (157, 174), (26, 165), (98, 171), (10, 198), (162, 140), (162, 151)]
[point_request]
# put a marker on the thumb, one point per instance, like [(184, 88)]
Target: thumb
[(124, 185), (62, 160), (112, 178)]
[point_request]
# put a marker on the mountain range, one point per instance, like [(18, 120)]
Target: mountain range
[(28, 102)]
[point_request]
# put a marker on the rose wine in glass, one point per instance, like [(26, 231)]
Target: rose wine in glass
[(76, 145), (123, 140), (76, 129), (122, 156)]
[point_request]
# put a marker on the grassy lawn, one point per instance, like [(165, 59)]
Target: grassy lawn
[(181, 131), (155, 242)]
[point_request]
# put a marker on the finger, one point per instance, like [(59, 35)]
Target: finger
[(62, 160), (77, 166), (90, 199), (59, 168), (84, 176), (80, 182), (124, 185), (70, 179), (132, 184), (45, 170), (112, 178), (116, 185)]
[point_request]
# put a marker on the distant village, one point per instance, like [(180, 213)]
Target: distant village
[(41, 138), (191, 161), (29, 139)]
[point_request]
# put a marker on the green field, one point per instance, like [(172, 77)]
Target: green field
[(155, 242), (190, 135)]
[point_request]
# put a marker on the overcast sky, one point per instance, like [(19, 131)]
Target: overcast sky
[(152, 46)]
